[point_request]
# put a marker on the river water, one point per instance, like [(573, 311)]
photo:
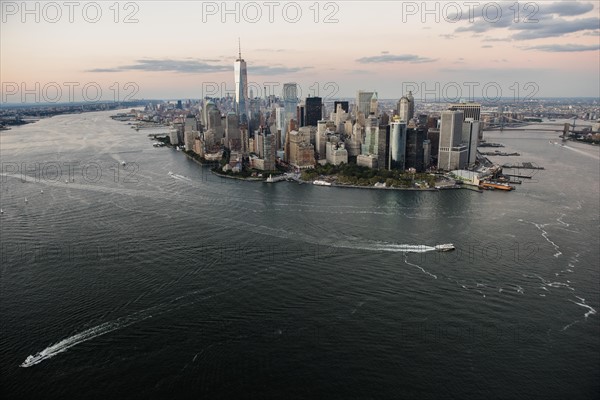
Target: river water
[(157, 279)]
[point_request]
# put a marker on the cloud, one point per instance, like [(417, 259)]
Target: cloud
[(389, 58), (558, 27), (448, 36), (168, 65), (385, 52), (567, 9), (487, 46), (273, 70), (538, 20), (491, 39), (194, 66), (564, 48)]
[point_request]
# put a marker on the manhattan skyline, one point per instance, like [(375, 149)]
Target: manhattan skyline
[(173, 51)]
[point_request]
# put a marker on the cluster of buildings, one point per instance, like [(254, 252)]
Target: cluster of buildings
[(260, 132)]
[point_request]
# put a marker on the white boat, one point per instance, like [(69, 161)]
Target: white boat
[(1, 211), (321, 183), (123, 163), (25, 199), (42, 191), (445, 247)]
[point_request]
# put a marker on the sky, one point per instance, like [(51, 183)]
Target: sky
[(445, 50)]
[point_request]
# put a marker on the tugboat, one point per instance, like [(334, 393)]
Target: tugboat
[(445, 247)]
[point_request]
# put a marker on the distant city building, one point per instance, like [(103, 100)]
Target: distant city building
[(366, 160), (189, 137), (371, 136), (301, 152), (241, 88), (426, 153), (452, 154), (470, 110), (300, 114), (433, 135), (233, 137), (398, 145), (406, 107), (344, 104), (363, 103), (313, 111), (383, 147), (470, 137), (336, 153), (374, 108), (290, 100), (173, 136), (414, 148)]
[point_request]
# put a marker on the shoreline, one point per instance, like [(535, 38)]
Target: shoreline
[(454, 187)]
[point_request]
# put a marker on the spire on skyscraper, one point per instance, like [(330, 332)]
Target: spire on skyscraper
[(239, 48)]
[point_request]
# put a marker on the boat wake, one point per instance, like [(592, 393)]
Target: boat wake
[(179, 177), (81, 337), (402, 248), (417, 266)]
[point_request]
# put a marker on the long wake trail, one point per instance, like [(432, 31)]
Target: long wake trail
[(120, 323)]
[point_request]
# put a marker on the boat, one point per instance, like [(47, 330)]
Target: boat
[(495, 185), (1, 211), (445, 247), (25, 199), (42, 191), (123, 163), (321, 183)]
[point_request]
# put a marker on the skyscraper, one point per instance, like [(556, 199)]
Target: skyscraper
[(397, 145), (470, 110), (290, 99), (406, 107), (344, 105), (452, 155), (470, 136), (414, 148), (313, 111), (241, 87), (363, 103)]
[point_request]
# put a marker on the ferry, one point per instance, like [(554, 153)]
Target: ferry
[(495, 185), (445, 247)]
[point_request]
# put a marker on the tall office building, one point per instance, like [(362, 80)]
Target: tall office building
[(290, 99), (470, 110), (397, 145), (383, 147), (313, 111), (414, 148), (241, 88), (233, 136), (470, 137), (371, 136), (406, 107), (344, 105), (451, 154), (374, 109), (300, 114), (363, 103)]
